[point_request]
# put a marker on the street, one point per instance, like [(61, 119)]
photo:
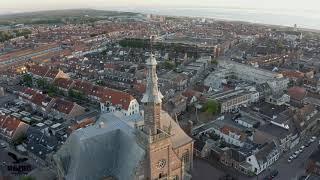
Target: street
[(287, 171)]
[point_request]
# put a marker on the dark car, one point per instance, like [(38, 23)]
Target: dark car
[(267, 178), (274, 173)]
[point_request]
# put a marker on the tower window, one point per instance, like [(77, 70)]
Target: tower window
[(186, 157)]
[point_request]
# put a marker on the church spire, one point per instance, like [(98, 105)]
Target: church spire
[(152, 94), (152, 98)]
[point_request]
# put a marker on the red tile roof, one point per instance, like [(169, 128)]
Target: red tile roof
[(292, 74), (226, 129), (63, 106), (9, 125), (38, 70), (98, 91), (41, 99), (63, 83), (83, 86), (29, 91), (52, 73), (117, 98), (297, 93), (82, 124)]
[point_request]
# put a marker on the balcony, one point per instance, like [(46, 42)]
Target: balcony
[(145, 139)]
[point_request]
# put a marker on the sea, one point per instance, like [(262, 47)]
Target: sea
[(308, 19)]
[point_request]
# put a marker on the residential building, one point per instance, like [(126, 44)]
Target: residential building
[(66, 109), (63, 84), (313, 163), (159, 149), (264, 158), (233, 99), (12, 128)]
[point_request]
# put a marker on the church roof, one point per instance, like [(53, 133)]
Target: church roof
[(179, 137), (108, 148)]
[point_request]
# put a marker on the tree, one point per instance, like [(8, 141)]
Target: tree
[(20, 140), (76, 95), (27, 178), (214, 61), (169, 65), (42, 83), (211, 107), (27, 80)]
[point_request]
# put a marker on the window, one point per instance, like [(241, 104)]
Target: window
[(185, 157)]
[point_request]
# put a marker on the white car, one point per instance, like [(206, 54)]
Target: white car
[(301, 148), (290, 159), (294, 155), (313, 138)]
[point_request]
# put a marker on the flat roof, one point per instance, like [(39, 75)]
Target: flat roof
[(55, 125), (40, 124)]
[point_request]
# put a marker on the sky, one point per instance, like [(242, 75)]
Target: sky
[(35, 5)]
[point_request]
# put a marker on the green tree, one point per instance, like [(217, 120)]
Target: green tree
[(27, 80), (42, 83), (211, 107), (27, 178), (214, 61), (52, 90), (20, 140), (76, 95), (169, 65)]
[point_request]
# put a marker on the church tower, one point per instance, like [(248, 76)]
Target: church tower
[(152, 99), (168, 149), (159, 147)]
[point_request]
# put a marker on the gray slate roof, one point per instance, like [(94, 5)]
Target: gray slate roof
[(101, 151)]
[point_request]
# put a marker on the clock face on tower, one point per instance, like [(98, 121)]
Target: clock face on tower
[(161, 164)]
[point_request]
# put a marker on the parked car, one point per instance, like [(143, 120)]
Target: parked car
[(312, 139), (308, 144), (295, 154), (290, 159), (301, 148), (274, 173), (3, 145)]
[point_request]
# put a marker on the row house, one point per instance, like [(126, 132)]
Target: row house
[(41, 102), (264, 158), (231, 135), (46, 104), (84, 87), (312, 85), (306, 118), (110, 99), (63, 84), (12, 128), (66, 109), (114, 100), (36, 99), (285, 139), (39, 72)]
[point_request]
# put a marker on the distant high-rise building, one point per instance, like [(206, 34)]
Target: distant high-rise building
[(295, 27)]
